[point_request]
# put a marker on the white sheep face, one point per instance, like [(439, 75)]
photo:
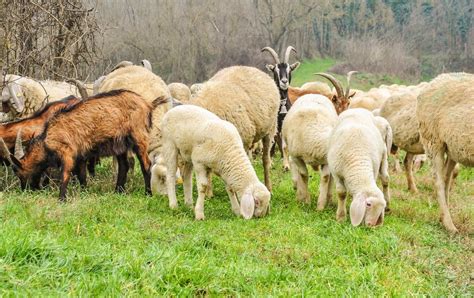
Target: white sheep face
[(370, 208), (261, 197)]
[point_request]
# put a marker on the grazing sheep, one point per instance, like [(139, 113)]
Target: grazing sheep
[(23, 96), (400, 112), (107, 124), (249, 99), (195, 88), (180, 92), (445, 110), (358, 150), (306, 132), (149, 86), (207, 143)]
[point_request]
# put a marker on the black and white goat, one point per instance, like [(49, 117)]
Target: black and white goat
[(282, 77)]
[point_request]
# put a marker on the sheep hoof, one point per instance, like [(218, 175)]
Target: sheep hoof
[(236, 211), (320, 207), (173, 206), (189, 204), (200, 216), (413, 190)]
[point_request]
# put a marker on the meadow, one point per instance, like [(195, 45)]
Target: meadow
[(102, 243)]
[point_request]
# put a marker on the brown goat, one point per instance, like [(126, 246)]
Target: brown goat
[(107, 124), (295, 93), (342, 97)]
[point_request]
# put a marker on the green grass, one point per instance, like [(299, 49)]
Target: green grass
[(362, 81), (101, 243)]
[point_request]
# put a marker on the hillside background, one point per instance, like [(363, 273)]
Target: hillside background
[(188, 41)]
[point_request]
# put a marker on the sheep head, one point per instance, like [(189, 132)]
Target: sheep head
[(342, 97), (368, 207), (255, 201)]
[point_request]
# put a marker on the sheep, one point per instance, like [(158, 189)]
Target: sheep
[(180, 92), (400, 112), (107, 124), (282, 76), (207, 143), (23, 96), (149, 86), (306, 132), (445, 112), (249, 99), (195, 88), (358, 150)]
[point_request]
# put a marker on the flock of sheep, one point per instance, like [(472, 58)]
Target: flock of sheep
[(213, 128)]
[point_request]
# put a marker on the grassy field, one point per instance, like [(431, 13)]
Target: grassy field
[(102, 243)]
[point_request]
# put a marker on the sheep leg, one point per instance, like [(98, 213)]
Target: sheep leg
[(267, 161), (66, 168), (450, 164), (408, 163), (286, 162), (123, 167), (233, 201), (171, 166), (187, 171), (281, 146), (384, 176), (202, 183), (341, 203), (438, 164), (300, 176), (324, 184), (210, 192)]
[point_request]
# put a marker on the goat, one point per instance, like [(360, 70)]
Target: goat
[(342, 97), (282, 77), (107, 124)]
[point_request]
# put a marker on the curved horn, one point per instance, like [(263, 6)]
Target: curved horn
[(80, 87), (19, 153), (4, 152), (273, 53), (349, 75), (122, 64), (145, 63), (288, 52), (334, 81), (18, 104)]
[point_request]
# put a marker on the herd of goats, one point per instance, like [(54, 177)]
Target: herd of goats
[(214, 128)]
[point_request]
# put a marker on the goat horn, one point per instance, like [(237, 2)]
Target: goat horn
[(80, 87), (273, 53), (145, 63), (19, 153), (4, 152), (349, 76), (122, 64), (288, 52), (334, 81)]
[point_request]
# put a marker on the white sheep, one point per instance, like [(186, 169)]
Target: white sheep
[(195, 88), (400, 112), (306, 132), (180, 92), (358, 150), (249, 99), (445, 109), (207, 143), (24, 95)]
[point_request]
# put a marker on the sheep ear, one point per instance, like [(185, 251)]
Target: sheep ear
[(294, 66), (270, 67), (358, 207), (247, 205)]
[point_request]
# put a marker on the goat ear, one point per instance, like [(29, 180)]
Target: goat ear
[(270, 67), (294, 66), (358, 208), (247, 205), (352, 94)]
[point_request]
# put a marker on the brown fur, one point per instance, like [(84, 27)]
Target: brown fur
[(295, 93), (107, 124), (33, 125)]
